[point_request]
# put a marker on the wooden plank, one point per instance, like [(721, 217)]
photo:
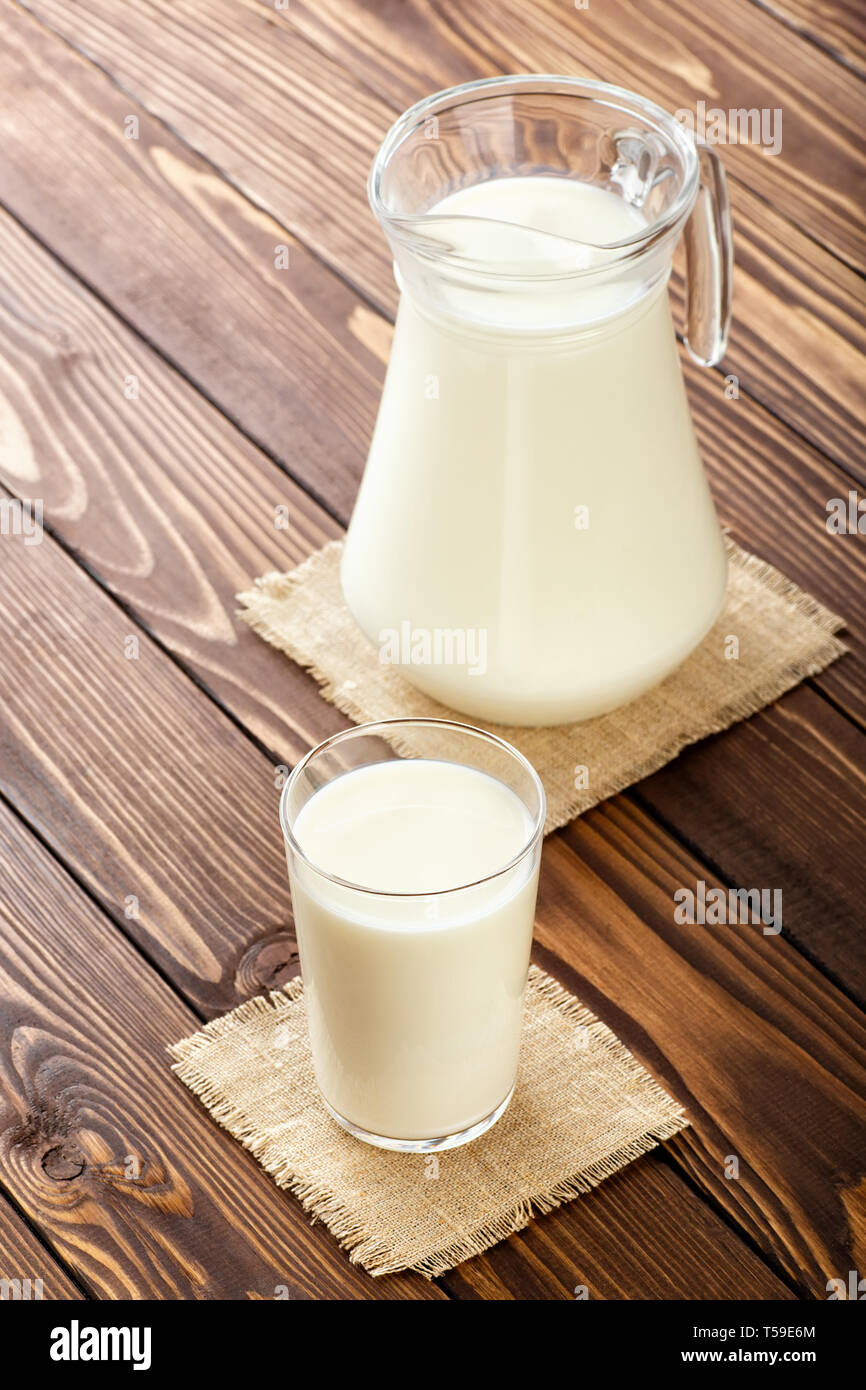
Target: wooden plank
[(309, 169), (191, 262), (104, 753), (772, 491), (779, 818), (114, 1161), (162, 497), (766, 1055), (207, 507), (668, 50), (188, 843), (158, 800), (835, 24), (658, 1256), (206, 510), (658, 1269), (213, 908), (730, 806), (281, 118), (24, 1258), (798, 338)]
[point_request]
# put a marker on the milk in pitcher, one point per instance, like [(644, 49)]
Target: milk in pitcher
[(533, 476)]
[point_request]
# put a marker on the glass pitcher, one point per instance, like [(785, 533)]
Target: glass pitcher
[(534, 540)]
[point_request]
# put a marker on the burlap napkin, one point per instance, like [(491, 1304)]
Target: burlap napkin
[(582, 1109), (782, 636)]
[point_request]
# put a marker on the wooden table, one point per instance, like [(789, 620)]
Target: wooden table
[(165, 388)]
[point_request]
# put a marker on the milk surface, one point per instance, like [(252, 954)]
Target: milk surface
[(534, 474), (414, 1005)]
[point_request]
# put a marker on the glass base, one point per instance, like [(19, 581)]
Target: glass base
[(423, 1146)]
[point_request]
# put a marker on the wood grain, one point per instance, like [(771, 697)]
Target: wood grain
[(189, 846), (661, 1232), (127, 495), (798, 336), (276, 117), (115, 1162), (135, 779), (165, 476), (835, 24), (160, 496), (24, 1258), (799, 315), (730, 55), (128, 815), (772, 491), (733, 56), (766, 1055), (187, 259), (160, 797), (728, 803)]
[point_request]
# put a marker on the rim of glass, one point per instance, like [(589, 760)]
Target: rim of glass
[(415, 722), (631, 248)]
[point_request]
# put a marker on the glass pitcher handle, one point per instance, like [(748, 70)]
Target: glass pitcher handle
[(709, 263)]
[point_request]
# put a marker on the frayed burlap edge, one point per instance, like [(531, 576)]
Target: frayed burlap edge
[(276, 586), (366, 1249)]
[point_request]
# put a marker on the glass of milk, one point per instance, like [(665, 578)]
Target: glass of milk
[(534, 503), (413, 886)]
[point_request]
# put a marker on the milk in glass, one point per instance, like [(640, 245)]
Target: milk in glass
[(414, 1004)]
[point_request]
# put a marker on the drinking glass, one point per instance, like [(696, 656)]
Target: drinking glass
[(415, 998)]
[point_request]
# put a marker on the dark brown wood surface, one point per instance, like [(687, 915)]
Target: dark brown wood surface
[(307, 164), (24, 1257), (176, 1210), (150, 779)]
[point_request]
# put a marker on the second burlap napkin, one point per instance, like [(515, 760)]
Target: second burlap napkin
[(770, 636), (583, 1108)]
